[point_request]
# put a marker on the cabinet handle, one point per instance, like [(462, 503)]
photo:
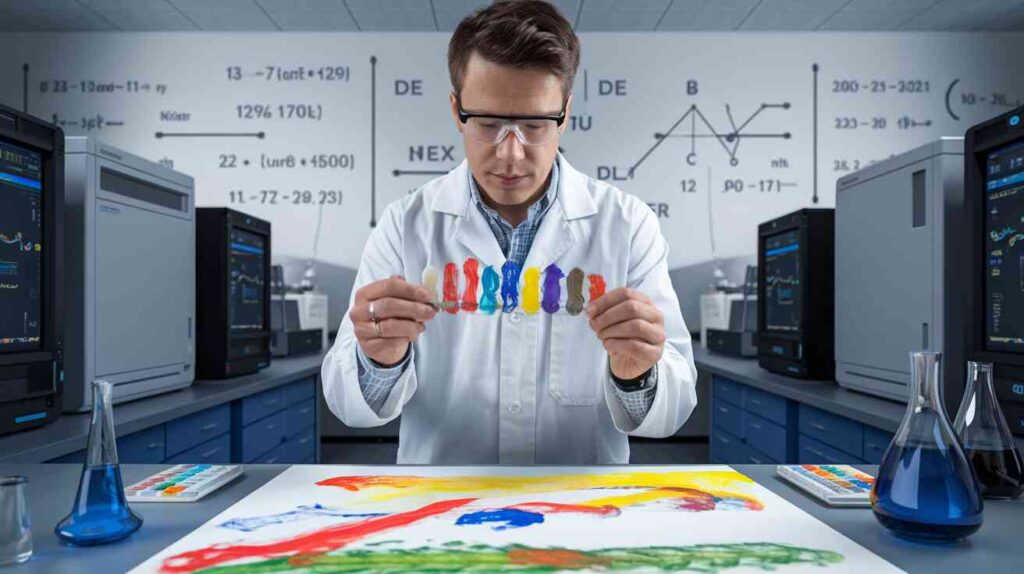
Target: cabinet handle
[(210, 453), (271, 427), (756, 460), (723, 410), (304, 441), (271, 461), (756, 402), (756, 426), (815, 452), (268, 402), (724, 440), (818, 427), (153, 445), (305, 411), (209, 427)]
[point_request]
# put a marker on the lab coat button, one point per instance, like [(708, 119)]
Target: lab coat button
[(514, 407), (515, 317)]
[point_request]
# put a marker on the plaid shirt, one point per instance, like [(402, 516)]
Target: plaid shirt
[(376, 382)]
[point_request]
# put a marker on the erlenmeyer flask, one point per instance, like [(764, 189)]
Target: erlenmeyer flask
[(926, 489), (986, 437), (101, 513)]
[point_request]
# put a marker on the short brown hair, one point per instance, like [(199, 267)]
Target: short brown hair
[(517, 33)]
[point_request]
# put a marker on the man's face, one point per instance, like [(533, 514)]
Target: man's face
[(509, 172)]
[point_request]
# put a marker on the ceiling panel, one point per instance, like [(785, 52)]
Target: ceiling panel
[(72, 17), (962, 15), (324, 21), (876, 14), (791, 14), (228, 15), (706, 14), (147, 20), (621, 15), (393, 16), (12, 22)]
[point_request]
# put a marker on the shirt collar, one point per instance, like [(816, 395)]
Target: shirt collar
[(535, 211)]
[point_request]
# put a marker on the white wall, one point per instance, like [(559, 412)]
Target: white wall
[(901, 77)]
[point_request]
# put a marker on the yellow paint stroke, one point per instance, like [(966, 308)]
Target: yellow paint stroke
[(718, 483), (430, 282), (531, 290)]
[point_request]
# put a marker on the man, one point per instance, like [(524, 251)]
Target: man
[(514, 387)]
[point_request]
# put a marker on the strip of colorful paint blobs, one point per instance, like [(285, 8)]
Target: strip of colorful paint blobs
[(481, 289)]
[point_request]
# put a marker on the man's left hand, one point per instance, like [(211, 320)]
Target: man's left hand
[(631, 329)]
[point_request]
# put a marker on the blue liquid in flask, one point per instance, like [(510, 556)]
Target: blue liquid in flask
[(926, 489), (101, 513)]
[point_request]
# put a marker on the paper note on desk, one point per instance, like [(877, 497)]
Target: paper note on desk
[(351, 518)]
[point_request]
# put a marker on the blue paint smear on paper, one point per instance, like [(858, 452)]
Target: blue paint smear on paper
[(505, 518), (254, 523)]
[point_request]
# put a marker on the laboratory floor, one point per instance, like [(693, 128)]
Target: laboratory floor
[(642, 451)]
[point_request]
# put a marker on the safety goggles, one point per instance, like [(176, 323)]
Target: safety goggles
[(492, 129)]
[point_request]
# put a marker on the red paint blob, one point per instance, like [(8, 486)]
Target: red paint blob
[(451, 288), (597, 287), (470, 269)]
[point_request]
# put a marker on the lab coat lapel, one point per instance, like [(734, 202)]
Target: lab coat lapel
[(555, 234), (470, 226)]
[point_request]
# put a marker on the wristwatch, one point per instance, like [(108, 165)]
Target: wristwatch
[(644, 381)]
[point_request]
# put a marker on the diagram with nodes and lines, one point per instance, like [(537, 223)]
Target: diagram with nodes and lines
[(318, 133)]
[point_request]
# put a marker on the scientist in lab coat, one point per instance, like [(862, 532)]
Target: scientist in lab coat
[(514, 388)]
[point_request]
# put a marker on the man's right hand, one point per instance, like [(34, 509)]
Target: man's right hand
[(401, 310)]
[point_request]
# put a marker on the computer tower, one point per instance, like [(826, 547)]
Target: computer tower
[(130, 274), (31, 271), (994, 176), (795, 256), (233, 293), (900, 270)]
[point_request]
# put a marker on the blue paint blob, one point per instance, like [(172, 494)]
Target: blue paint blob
[(510, 286), (505, 518), (489, 284)]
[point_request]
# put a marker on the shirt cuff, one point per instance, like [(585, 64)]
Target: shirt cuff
[(375, 381)]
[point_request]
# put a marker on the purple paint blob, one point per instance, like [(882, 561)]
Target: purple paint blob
[(510, 286), (552, 288), (505, 518)]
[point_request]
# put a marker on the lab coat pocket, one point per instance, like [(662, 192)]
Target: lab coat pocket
[(575, 371)]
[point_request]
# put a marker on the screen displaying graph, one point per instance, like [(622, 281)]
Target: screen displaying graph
[(247, 264), (783, 291), (21, 233), (1004, 249)]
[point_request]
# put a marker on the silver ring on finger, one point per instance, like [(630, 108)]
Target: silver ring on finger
[(373, 312), (376, 327)]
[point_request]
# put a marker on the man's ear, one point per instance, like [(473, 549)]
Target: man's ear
[(455, 110)]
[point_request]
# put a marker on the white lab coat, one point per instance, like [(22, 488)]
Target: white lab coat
[(516, 388)]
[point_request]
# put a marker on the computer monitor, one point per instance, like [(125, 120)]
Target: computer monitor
[(994, 177), (31, 271), (233, 274), (795, 279)]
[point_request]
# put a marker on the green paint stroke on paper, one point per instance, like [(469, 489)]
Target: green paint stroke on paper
[(483, 558)]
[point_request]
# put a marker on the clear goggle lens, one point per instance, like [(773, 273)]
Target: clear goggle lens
[(528, 132)]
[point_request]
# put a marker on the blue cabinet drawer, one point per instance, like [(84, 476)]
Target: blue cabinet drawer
[(299, 417), (310, 460), (300, 447), (726, 447), (143, 447), (727, 390), (216, 451), (262, 436), (300, 391), (765, 436), (260, 405), (766, 405), (274, 456), (727, 417), (875, 443), (187, 432), (817, 452), (833, 430)]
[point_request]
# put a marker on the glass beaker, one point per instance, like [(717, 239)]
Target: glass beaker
[(15, 527), (986, 437), (101, 513), (926, 489)]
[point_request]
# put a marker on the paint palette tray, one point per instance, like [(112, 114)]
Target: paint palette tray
[(833, 484), (183, 483)]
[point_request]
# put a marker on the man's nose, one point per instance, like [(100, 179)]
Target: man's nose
[(510, 148)]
